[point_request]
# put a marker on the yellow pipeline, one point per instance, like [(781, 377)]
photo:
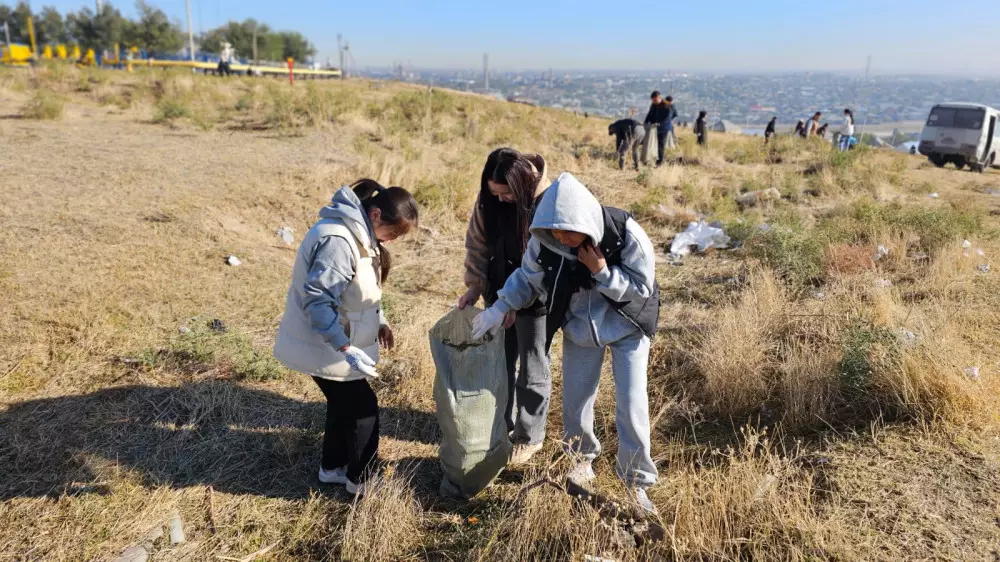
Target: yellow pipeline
[(31, 34)]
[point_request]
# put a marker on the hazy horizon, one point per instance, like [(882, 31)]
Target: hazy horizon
[(715, 36)]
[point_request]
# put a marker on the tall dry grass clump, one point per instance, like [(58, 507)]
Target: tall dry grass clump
[(384, 524), (738, 355), (44, 105)]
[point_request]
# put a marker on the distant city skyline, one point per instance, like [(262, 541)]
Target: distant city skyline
[(716, 35)]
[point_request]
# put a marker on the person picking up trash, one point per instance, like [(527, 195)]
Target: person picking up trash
[(333, 322), (593, 268)]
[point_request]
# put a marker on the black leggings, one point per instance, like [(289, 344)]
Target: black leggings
[(351, 437)]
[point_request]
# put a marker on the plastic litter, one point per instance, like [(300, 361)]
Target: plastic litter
[(285, 233), (972, 372), (907, 336), (133, 554), (980, 253), (184, 330), (933, 195), (984, 268), (765, 486), (966, 244), (700, 235), (880, 253), (217, 325), (751, 198), (992, 191), (883, 283), (233, 261), (176, 529), (819, 295)]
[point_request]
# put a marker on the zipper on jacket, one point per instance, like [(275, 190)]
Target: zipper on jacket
[(555, 285)]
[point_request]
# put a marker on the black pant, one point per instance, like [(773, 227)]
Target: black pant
[(661, 142), (351, 438)]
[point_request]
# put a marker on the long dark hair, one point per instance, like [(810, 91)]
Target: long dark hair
[(851, 114), (521, 173), (398, 208)]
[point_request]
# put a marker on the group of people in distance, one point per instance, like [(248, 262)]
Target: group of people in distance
[(630, 134), (811, 128), (544, 256)]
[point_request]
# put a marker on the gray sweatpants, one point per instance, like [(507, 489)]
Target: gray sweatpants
[(581, 375), (631, 143), (530, 385), (650, 138)]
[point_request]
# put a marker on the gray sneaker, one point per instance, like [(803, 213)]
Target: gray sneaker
[(335, 476), (581, 474), (643, 501), (523, 453)]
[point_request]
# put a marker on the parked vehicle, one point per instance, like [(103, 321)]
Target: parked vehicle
[(964, 134)]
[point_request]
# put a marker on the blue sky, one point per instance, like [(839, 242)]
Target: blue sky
[(750, 35)]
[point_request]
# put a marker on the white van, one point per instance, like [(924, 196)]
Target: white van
[(965, 134)]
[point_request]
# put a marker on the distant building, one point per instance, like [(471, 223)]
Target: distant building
[(723, 126)]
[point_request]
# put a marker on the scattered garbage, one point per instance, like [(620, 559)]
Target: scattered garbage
[(819, 295), (184, 330), (592, 558), (966, 244), (933, 195), (883, 283), (880, 252), (991, 191), (751, 198), (907, 336), (233, 261), (133, 554), (765, 485), (980, 253), (285, 233), (984, 268), (217, 325), (972, 372), (176, 529), (764, 227), (700, 235)]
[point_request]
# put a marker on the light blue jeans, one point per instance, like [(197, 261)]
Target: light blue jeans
[(581, 375)]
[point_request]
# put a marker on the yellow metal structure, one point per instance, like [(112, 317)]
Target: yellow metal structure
[(31, 35)]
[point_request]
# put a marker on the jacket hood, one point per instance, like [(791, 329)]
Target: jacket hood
[(567, 205), (346, 206)]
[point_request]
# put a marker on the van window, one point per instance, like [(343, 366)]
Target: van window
[(959, 118)]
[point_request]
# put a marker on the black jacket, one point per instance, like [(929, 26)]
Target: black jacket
[(623, 129), (660, 113), (562, 282), (770, 129)]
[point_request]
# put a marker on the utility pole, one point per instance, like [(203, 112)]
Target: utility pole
[(340, 53), (8, 56), (100, 5), (255, 45), (486, 72), (191, 32)]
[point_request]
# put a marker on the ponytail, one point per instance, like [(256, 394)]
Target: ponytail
[(398, 208)]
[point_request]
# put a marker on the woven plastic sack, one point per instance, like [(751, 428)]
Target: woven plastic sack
[(470, 392)]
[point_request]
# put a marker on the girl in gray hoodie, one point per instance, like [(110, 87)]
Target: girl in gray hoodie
[(593, 269)]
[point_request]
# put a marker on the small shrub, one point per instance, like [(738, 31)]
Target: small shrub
[(867, 350), (170, 109), (794, 254), (44, 105)]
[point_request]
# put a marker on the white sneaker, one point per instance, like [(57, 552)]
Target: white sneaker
[(643, 501), (581, 474), (357, 489), (523, 453), (335, 476)]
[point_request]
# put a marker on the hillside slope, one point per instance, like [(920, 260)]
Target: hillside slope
[(809, 401)]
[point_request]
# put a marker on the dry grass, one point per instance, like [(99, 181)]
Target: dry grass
[(803, 407)]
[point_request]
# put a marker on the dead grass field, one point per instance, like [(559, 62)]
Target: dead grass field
[(809, 402)]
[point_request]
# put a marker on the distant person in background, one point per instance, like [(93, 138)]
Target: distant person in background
[(847, 131), (656, 119), (769, 130), (800, 126), (628, 134), (701, 128), (812, 125), (226, 59), (671, 139)]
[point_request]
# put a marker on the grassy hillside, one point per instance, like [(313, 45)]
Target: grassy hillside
[(809, 401)]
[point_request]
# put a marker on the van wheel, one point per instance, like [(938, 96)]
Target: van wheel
[(959, 162), (937, 160)]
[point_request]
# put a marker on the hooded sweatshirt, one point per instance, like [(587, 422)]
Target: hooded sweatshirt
[(334, 288), (591, 321)]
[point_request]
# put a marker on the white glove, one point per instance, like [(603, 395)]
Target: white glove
[(487, 321), (359, 361)]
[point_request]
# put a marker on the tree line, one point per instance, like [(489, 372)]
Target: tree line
[(152, 31)]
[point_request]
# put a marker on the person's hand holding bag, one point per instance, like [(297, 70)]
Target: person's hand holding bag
[(487, 321), (360, 361)]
